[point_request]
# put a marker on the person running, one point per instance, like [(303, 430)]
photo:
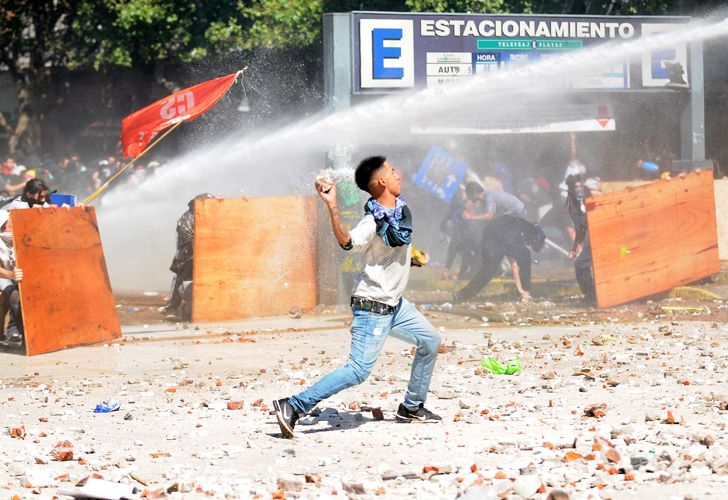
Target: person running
[(383, 235)]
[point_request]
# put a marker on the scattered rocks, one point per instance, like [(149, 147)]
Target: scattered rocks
[(290, 482), (596, 410), (353, 488), (17, 432), (63, 451), (534, 435), (527, 486)]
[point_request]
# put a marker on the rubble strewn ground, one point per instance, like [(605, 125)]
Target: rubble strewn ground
[(610, 404)]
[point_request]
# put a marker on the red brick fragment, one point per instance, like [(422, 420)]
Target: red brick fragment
[(612, 455), (596, 410), (17, 432)]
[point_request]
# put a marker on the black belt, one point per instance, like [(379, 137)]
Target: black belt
[(372, 306)]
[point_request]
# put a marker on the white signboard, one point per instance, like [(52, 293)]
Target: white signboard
[(387, 53), (447, 67)]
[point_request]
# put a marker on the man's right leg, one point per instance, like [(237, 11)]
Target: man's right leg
[(185, 303), (368, 333), (174, 294), (583, 270)]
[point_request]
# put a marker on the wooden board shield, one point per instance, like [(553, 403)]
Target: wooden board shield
[(654, 237), (65, 294), (253, 257), (721, 213)]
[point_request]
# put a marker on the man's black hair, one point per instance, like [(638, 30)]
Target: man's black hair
[(473, 188), (365, 170), (571, 180), (34, 186)]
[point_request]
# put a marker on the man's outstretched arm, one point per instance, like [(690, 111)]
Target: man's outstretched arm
[(341, 232), (516, 270)]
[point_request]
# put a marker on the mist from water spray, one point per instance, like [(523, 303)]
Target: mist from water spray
[(137, 224)]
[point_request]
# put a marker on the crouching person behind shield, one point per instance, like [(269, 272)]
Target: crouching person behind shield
[(10, 276), (180, 297)]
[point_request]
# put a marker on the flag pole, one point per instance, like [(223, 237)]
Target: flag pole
[(106, 184)]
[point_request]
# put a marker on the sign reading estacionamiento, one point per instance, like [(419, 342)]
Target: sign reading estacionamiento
[(525, 27), (399, 51)]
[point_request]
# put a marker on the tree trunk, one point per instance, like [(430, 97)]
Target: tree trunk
[(25, 137)]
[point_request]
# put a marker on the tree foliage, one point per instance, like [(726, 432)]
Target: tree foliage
[(281, 23), (141, 33), (475, 6), (34, 39)]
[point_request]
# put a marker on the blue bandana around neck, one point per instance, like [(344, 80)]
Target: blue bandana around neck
[(394, 225)]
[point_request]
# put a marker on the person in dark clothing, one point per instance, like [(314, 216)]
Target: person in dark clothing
[(456, 228), (180, 300), (506, 236), (581, 250)]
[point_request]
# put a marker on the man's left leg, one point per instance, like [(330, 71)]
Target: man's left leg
[(412, 327), (584, 272), (15, 331)]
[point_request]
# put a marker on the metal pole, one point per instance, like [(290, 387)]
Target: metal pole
[(692, 121)]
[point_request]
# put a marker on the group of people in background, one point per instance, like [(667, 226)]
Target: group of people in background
[(494, 222), (69, 174)]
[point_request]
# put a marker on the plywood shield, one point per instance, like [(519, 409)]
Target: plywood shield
[(253, 257), (654, 237), (65, 294), (721, 213)]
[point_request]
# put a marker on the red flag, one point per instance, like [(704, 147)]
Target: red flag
[(141, 126)]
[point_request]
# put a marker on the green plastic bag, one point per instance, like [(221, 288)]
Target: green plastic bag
[(494, 366)]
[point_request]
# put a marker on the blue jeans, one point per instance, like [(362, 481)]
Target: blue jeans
[(368, 333)]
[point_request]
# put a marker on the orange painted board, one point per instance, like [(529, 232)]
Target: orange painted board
[(253, 257), (65, 294), (654, 237)]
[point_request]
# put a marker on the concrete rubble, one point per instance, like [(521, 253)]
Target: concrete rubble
[(609, 409)]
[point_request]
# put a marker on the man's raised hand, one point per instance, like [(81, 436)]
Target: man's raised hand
[(327, 192)]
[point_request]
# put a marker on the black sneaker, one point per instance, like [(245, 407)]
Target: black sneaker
[(422, 414), (286, 415), (14, 336)]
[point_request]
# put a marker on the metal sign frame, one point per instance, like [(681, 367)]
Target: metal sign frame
[(399, 50), (342, 53)]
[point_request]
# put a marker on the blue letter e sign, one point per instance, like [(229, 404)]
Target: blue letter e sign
[(380, 53), (386, 53)]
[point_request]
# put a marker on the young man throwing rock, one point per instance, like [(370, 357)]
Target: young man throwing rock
[(383, 236)]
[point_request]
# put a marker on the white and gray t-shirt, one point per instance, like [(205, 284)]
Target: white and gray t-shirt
[(385, 270), (501, 203)]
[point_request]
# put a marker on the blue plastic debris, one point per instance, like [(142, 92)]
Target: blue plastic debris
[(107, 406)]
